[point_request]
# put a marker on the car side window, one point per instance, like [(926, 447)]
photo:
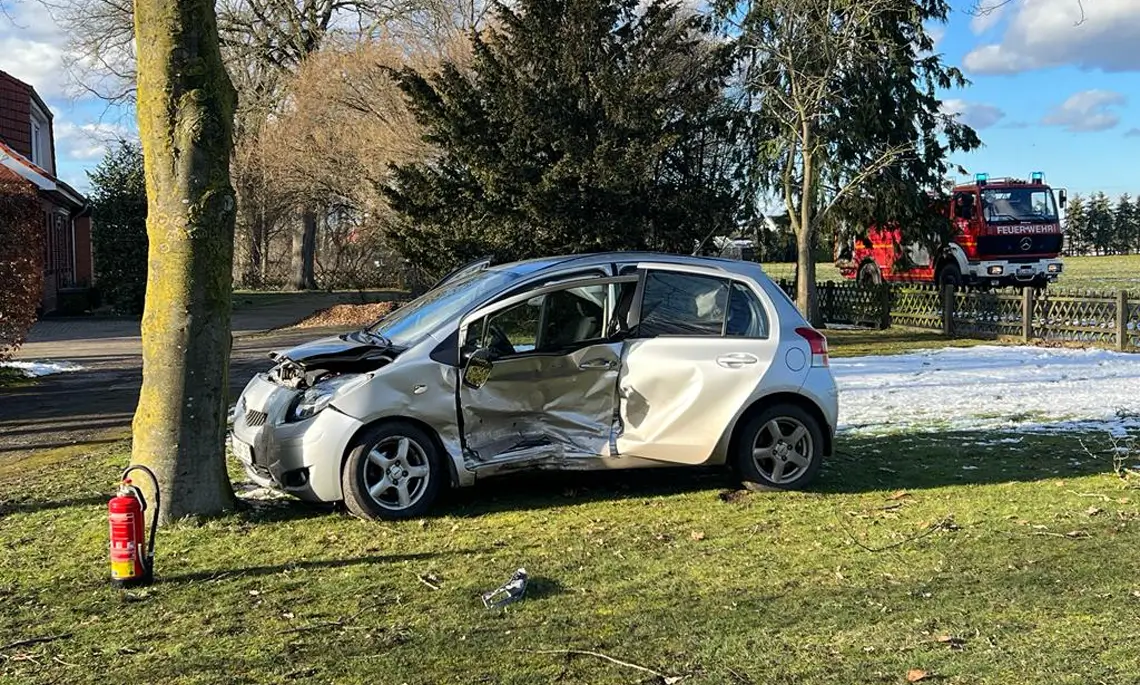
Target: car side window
[(556, 321), (682, 304), (573, 316), (746, 317)]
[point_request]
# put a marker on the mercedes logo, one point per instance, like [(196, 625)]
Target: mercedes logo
[(1026, 243)]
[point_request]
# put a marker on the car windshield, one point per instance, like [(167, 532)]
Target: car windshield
[(1008, 205), (408, 325)]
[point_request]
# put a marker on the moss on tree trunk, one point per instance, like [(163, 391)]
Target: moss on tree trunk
[(185, 113)]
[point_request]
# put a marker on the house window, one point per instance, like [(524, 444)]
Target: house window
[(41, 139)]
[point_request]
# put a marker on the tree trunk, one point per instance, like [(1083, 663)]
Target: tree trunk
[(185, 114), (252, 272), (806, 300), (805, 235), (304, 251)]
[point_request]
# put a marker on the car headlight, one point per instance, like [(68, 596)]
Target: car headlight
[(315, 399)]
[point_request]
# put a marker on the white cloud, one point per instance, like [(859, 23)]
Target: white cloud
[(1047, 33), (937, 33), (1088, 110), (987, 16), (974, 114), (1132, 133), (83, 142), (31, 48)]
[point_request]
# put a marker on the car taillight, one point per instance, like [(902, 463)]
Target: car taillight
[(818, 345)]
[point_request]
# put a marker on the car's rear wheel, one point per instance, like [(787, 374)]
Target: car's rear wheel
[(394, 471), (781, 448)]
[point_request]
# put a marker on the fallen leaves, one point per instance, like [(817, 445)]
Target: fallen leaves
[(951, 641), (916, 675), (894, 497), (697, 535)]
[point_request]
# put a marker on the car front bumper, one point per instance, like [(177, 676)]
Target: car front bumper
[(301, 458), (1015, 273)]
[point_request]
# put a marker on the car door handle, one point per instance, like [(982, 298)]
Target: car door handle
[(596, 364), (736, 360)]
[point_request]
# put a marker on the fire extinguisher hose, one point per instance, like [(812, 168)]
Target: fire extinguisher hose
[(157, 503)]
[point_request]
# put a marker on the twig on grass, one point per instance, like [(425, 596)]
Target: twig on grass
[(34, 641), (426, 581), (339, 623), (667, 679), (945, 524)]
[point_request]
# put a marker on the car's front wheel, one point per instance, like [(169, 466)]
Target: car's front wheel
[(781, 448), (394, 471)]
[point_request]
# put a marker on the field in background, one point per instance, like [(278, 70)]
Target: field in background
[(1092, 273)]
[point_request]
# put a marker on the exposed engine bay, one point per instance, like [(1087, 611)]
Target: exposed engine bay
[(355, 352)]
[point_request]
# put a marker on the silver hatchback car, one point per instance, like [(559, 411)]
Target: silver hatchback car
[(601, 361)]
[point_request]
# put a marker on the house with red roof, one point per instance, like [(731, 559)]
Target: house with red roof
[(27, 155)]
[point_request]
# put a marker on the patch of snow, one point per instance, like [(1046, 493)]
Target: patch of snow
[(37, 369), (990, 387)]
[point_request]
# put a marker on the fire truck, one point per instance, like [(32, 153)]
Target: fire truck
[(1006, 233)]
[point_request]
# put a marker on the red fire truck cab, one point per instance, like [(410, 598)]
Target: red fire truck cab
[(1007, 233)]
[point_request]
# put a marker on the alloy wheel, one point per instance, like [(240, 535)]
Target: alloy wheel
[(397, 472), (783, 450)]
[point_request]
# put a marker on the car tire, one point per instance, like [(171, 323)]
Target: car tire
[(869, 275), (763, 458), (394, 471), (950, 274)]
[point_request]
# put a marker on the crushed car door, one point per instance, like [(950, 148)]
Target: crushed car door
[(540, 375), (698, 347)]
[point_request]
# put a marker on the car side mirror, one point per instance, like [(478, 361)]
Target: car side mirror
[(1062, 197), (477, 368)]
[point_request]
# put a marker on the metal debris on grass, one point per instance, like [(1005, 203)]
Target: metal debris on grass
[(511, 591)]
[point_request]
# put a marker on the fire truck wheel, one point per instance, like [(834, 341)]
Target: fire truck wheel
[(869, 274), (394, 471), (950, 274), (781, 448)]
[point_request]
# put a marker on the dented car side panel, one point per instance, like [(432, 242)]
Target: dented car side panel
[(541, 402)]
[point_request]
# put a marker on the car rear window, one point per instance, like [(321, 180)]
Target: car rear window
[(683, 304)]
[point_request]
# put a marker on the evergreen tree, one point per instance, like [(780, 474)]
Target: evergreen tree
[(1124, 224), (1100, 225), (118, 198), (1076, 226), (1136, 235), (579, 125)]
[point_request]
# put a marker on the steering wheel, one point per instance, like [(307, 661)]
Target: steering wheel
[(500, 344)]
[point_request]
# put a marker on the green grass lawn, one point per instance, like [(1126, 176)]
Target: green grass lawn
[(973, 560), (1093, 273)]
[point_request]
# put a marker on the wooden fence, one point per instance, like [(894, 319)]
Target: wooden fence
[(1054, 314)]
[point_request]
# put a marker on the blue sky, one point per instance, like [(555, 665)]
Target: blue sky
[(1053, 89)]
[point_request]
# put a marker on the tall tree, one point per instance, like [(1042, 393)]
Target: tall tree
[(847, 115), (118, 197), (185, 111), (1136, 235), (1076, 226), (1124, 224), (1100, 224), (579, 125)]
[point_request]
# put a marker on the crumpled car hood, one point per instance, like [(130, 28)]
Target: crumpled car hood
[(345, 348)]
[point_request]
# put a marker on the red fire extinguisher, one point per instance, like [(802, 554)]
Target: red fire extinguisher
[(132, 557)]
